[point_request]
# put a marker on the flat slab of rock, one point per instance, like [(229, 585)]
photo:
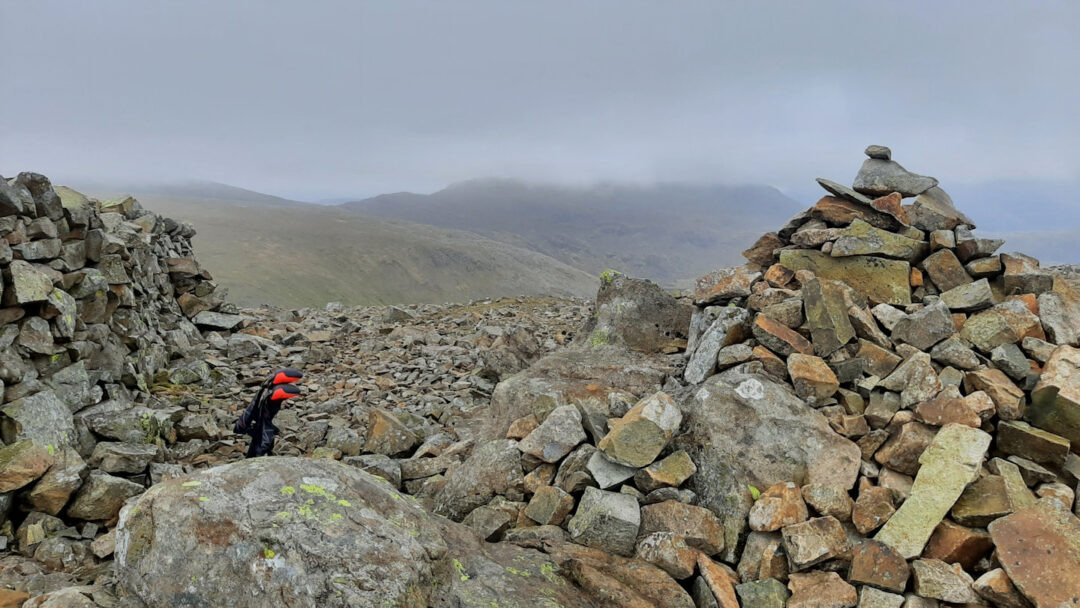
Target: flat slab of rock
[(877, 279), (950, 463), (1039, 548)]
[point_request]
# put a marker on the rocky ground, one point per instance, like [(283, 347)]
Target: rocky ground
[(878, 410)]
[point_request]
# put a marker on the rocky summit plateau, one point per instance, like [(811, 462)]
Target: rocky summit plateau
[(879, 409)]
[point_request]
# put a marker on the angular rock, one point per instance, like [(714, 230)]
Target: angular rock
[(937, 580), (1007, 397), (779, 338), (22, 463), (113, 457), (1060, 316), (672, 471), (878, 177), (873, 508), (637, 438), (101, 497), (1022, 439), (768, 593), (828, 500), (814, 541), (607, 473), (493, 469), (995, 587), (668, 552), (1008, 322), (956, 544), (877, 564), (863, 239), (879, 280), (730, 327), (1023, 275), (607, 521), (556, 436), (699, 526), (387, 435), (779, 506), (724, 284), (54, 489), (1038, 548), (925, 328), (969, 297), (950, 463), (934, 210), (814, 381), (945, 270), (637, 314), (1055, 402), (549, 506), (820, 590), (826, 315)]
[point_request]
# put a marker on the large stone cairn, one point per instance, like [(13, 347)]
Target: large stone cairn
[(100, 302), (952, 367)]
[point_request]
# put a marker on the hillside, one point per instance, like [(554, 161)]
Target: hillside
[(267, 249), (666, 232)]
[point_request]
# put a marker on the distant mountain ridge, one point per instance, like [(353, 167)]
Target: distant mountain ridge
[(267, 249), (666, 232)]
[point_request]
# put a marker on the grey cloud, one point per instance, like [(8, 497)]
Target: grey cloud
[(324, 99)]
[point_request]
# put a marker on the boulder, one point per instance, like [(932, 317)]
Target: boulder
[(280, 531), (556, 436), (746, 429), (637, 314)]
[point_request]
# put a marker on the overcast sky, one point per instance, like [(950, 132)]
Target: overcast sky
[(320, 99)]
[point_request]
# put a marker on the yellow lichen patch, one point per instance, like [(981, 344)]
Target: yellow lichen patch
[(204, 499), (335, 516), (288, 490), (461, 570), (268, 553), (344, 503), (513, 570), (191, 484)]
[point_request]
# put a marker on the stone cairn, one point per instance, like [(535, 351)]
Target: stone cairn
[(943, 434), (954, 370), (100, 302)]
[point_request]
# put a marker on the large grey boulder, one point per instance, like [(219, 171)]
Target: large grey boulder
[(746, 429), (310, 532), (589, 378), (637, 314)]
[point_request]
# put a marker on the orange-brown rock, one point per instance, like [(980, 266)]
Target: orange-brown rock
[(873, 508), (724, 284), (780, 505), (956, 544), (774, 366), (879, 565), (814, 381), (820, 590), (1007, 397), (779, 276), (779, 338), (949, 406), (891, 204), (760, 254), (1039, 548), (840, 212), (721, 581)]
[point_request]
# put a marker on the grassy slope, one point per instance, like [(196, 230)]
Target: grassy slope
[(294, 254)]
